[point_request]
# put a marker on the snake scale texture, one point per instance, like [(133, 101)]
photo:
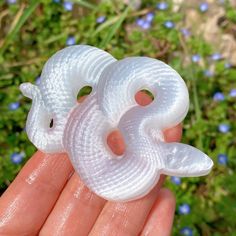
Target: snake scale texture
[(81, 129)]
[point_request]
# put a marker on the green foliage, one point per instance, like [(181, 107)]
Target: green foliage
[(32, 32), (231, 14)]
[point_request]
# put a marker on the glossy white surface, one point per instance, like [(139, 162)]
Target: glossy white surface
[(64, 74), (81, 129)]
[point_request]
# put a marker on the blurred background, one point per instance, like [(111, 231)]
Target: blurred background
[(197, 38)]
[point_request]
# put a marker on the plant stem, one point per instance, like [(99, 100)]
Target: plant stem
[(18, 24)]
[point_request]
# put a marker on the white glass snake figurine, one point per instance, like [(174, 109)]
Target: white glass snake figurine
[(81, 129)]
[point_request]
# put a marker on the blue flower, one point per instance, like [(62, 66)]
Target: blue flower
[(224, 128), (146, 25), (57, 1), (203, 7), (100, 19), (219, 96), (185, 32), (143, 23), (176, 180), (184, 209), (208, 73), (68, 6), (16, 158), (162, 6), (11, 1), (169, 24), (37, 80), (187, 231), (232, 93), (216, 56), (14, 106), (149, 17), (222, 159), (70, 41), (140, 22), (196, 58)]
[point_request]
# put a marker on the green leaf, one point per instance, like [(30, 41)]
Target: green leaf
[(106, 25), (85, 4), (11, 34), (114, 29)]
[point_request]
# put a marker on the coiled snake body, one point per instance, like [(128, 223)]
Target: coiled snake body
[(81, 129)]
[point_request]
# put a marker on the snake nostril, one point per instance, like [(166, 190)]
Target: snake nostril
[(144, 97), (116, 142)]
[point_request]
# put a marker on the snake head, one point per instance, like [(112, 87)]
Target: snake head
[(63, 75)]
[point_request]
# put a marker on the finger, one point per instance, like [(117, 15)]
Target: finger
[(29, 199), (173, 134), (125, 218), (161, 217), (75, 212)]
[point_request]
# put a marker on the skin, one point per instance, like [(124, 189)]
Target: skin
[(48, 198)]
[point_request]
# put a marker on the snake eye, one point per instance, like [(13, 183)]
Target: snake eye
[(144, 97)]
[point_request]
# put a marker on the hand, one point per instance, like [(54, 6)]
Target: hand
[(48, 198)]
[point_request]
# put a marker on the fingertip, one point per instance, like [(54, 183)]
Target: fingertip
[(168, 195), (161, 217)]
